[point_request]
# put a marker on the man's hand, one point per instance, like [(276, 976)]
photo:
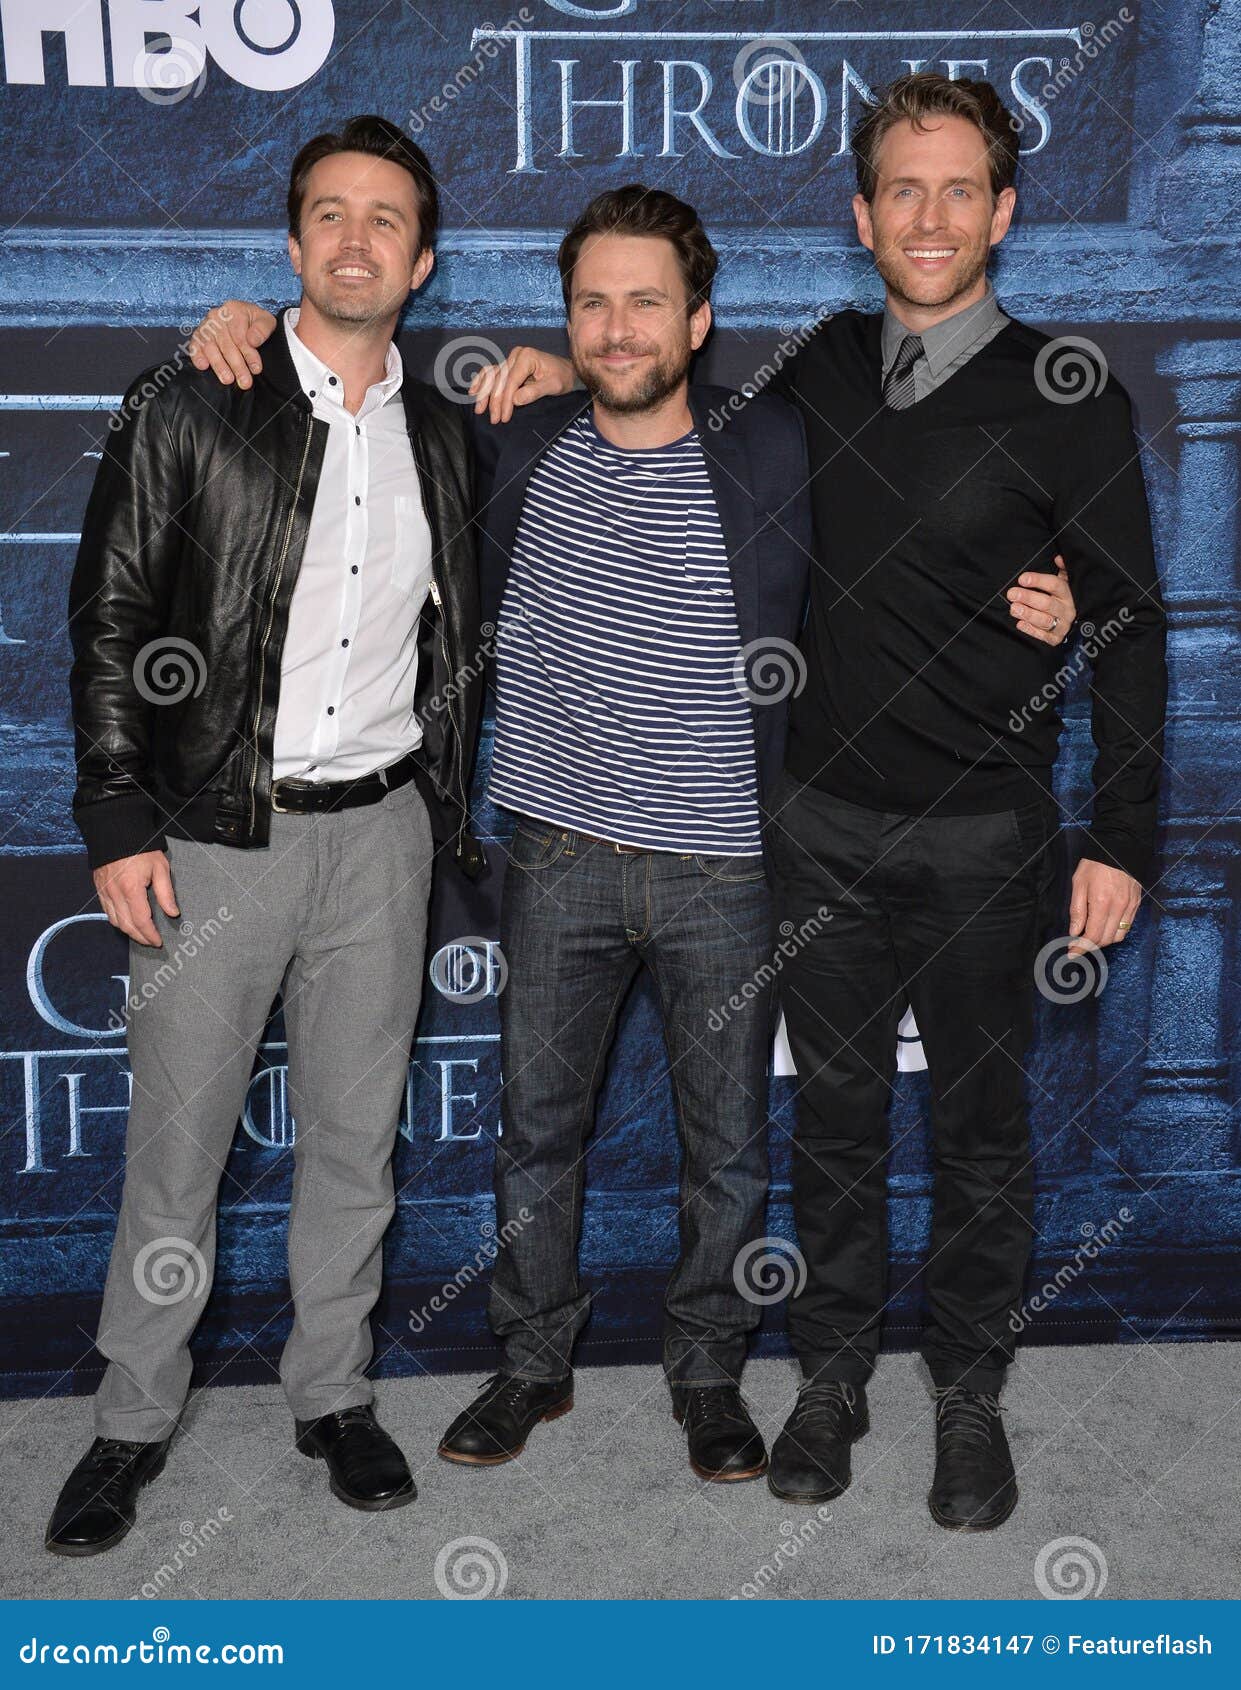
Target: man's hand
[(1103, 906), (1043, 606), (226, 339), (526, 374), (122, 888)]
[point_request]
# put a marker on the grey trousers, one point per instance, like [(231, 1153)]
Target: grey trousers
[(333, 915)]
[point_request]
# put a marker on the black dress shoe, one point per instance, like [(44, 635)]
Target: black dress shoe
[(96, 1505), (365, 1467), (810, 1460), (495, 1426), (975, 1487), (724, 1443)]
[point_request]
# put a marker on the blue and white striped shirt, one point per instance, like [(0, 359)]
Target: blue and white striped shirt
[(619, 709)]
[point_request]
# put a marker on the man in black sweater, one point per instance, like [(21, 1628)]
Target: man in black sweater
[(945, 438)]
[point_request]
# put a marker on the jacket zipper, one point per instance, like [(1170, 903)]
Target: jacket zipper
[(438, 602), (271, 613)]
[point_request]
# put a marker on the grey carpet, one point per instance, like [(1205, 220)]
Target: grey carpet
[(1132, 1447)]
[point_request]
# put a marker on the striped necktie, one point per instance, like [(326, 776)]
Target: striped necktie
[(898, 389)]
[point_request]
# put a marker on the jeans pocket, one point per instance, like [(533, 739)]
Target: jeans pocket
[(535, 845), (730, 868)]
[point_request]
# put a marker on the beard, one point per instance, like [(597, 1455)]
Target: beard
[(901, 278), (661, 379), (343, 304)]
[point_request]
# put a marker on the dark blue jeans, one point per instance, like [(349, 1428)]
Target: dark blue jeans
[(577, 921)]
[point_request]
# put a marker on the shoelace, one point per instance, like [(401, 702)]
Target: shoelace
[(825, 1402), (509, 1390), (118, 1454), (966, 1417), (359, 1415), (714, 1402)]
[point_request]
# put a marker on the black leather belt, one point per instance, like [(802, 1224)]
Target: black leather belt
[(313, 797)]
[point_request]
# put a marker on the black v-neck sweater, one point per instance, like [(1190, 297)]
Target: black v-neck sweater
[(920, 695)]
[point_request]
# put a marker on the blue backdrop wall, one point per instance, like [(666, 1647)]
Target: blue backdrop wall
[(147, 145)]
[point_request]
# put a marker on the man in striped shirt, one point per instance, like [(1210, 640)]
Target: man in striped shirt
[(646, 557)]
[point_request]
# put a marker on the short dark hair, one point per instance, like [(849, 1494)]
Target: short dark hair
[(381, 139), (635, 210), (924, 94)]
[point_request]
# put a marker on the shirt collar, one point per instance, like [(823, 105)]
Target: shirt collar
[(947, 342), (320, 380)]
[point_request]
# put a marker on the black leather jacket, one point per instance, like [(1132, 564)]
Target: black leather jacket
[(191, 544)]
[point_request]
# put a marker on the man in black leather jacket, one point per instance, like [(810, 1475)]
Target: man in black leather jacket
[(276, 694)]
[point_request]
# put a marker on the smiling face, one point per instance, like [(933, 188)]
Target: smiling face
[(631, 334), (933, 220), (358, 254)]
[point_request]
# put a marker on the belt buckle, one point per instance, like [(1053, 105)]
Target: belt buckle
[(275, 802)]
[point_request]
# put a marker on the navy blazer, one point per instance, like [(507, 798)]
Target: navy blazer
[(755, 452)]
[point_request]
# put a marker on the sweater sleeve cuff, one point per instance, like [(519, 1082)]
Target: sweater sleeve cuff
[(119, 827), (1119, 850)]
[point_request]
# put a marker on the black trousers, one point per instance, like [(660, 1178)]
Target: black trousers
[(945, 913)]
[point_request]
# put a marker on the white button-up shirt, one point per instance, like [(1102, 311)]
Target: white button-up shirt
[(350, 661)]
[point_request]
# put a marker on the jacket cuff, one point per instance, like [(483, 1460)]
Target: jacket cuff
[(119, 827), (1119, 850)]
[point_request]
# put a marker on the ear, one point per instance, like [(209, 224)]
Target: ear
[(700, 324), (423, 266), (1002, 214), (295, 254), (862, 217)]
